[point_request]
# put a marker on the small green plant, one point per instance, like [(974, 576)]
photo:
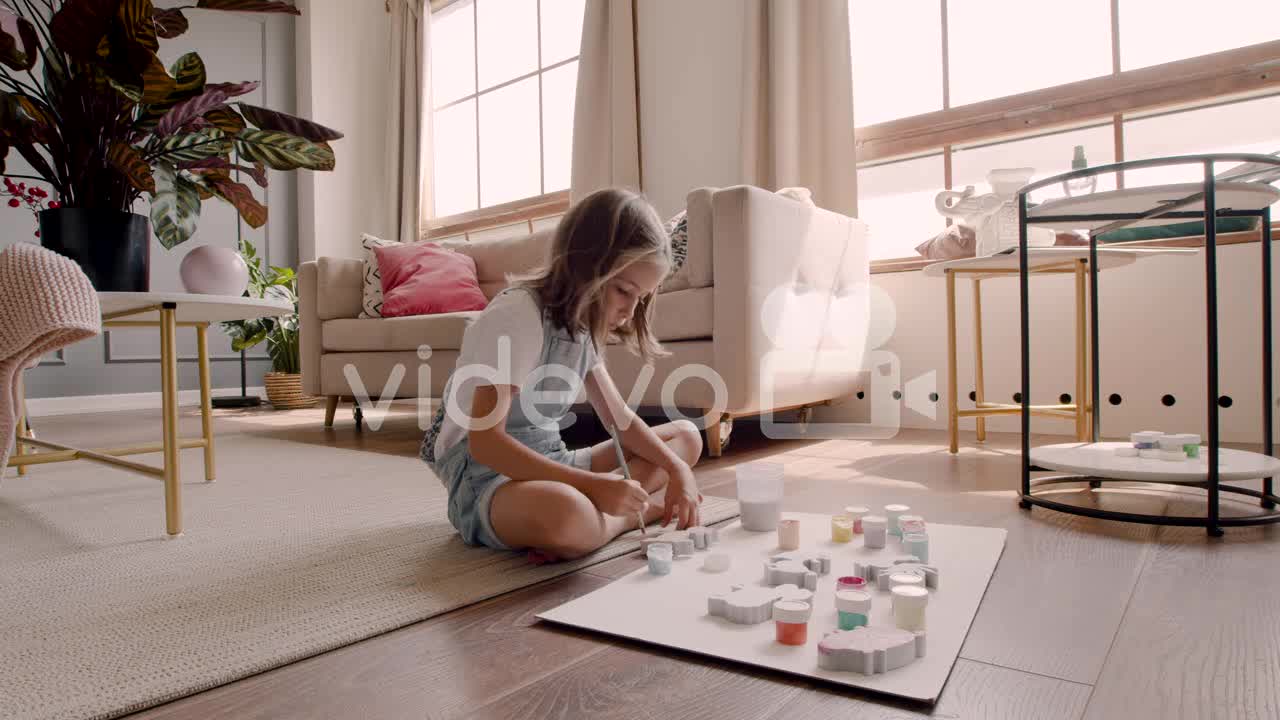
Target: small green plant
[(280, 333)]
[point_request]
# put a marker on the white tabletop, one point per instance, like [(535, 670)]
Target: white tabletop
[(1233, 195), (192, 307), (1108, 257), (1100, 460)]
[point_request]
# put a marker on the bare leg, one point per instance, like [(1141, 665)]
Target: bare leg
[(559, 520), (681, 435)]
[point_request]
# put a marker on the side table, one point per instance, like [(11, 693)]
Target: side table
[(1040, 261), (1216, 195), (167, 311)]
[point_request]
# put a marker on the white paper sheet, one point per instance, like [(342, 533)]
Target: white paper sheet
[(671, 610)]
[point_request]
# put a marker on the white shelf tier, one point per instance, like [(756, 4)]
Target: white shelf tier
[(1233, 195), (1038, 258), (1100, 460)]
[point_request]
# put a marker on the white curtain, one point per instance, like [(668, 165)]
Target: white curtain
[(606, 139), (408, 131), (797, 106)]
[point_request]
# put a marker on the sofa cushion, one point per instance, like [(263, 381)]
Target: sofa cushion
[(683, 315), (497, 257), (371, 300), (678, 230), (442, 331), (697, 271), (427, 279)]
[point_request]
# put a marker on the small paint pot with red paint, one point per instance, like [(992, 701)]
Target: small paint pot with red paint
[(851, 582)]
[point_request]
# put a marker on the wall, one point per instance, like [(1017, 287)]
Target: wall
[(343, 67), (1152, 343), (234, 46)]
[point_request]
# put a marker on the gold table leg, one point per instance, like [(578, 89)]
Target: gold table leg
[(1082, 403), (20, 428), (953, 417), (169, 395), (979, 389), (206, 419)]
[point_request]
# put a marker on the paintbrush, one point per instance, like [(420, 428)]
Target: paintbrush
[(626, 473)]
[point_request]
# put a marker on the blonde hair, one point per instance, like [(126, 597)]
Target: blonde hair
[(598, 238)]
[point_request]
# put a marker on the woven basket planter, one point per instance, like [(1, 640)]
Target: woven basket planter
[(284, 391)]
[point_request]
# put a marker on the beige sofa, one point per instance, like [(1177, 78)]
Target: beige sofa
[(776, 304)]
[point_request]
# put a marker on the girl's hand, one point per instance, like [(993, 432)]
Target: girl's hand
[(615, 495), (682, 499)]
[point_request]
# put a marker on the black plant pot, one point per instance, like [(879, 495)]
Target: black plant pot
[(112, 247)]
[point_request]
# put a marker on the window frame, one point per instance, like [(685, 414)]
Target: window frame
[(521, 210), (1237, 73)]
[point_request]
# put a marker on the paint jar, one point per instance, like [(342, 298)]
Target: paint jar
[(873, 531), (791, 622), (854, 607), (856, 513), (789, 534), (841, 529), (659, 555), (760, 495), (909, 603), (1146, 440), (1149, 454), (911, 524), (851, 582), (901, 579), (916, 543), (1190, 444), (892, 513), (1170, 442), (1172, 455), (716, 562)]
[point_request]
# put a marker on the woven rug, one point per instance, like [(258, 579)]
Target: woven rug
[(294, 551)]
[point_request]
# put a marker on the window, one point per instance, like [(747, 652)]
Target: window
[(1160, 31), (947, 90), (1188, 132), (1049, 154), (504, 74)]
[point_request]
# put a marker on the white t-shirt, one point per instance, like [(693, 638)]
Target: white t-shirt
[(515, 316)]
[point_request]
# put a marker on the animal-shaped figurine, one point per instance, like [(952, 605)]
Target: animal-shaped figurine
[(751, 605), (681, 543), (797, 568), (878, 571), (869, 649), (703, 537)]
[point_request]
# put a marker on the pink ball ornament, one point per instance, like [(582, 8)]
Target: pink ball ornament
[(212, 270)]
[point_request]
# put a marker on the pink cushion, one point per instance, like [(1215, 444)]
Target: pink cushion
[(426, 279)]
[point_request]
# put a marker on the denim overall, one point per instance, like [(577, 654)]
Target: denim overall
[(471, 485)]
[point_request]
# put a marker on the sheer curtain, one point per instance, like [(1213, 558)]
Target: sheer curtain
[(797, 100), (606, 140), (408, 130)]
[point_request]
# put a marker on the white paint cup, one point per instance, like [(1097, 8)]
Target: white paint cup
[(874, 528), (760, 495)]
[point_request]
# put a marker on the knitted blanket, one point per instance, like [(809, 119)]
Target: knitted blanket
[(46, 303)]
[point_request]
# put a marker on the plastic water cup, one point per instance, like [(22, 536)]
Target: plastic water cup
[(760, 495)]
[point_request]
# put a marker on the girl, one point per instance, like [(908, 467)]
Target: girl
[(495, 442)]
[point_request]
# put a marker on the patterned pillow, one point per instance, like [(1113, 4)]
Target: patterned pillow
[(678, 229), (371, 306)]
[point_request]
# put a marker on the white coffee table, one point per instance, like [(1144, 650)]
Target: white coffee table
[(167, 311), (1040, 261)]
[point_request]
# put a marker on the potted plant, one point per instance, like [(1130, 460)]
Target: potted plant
[(86, 102), (284, 382)]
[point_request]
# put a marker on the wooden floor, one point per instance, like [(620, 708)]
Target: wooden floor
[(1083, 618)]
